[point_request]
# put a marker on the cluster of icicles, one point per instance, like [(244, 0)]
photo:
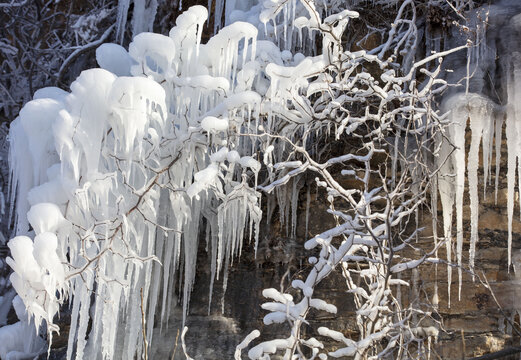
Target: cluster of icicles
[(274, 19), (116, 180), (477, 121), (115, 177)]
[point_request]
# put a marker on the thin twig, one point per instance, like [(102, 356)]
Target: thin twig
[(486, 284), (82, 50), (499, 354), (463, 346), (183, 344), (143, 324), (175, 346)]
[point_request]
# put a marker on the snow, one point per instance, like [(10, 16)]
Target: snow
[(19, 340), (268, 347), (233, 156), (212, 124), (23, 263), (249, 162), (114, 58), (83, 121), (203, 179), (154, 54), (320, 304), (45, 217), (247, 340), (44, 252), (130, 98), (219, 156), (335, 335), (275, 317), (276, 295), (51, 93), (36, 118)]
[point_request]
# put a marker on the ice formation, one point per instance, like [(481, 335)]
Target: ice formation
[(114, 58), (119, 177), (116, 176), (479, 115), (478, 112), (19, 340)]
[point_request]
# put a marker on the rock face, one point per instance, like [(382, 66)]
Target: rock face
[(484, 319), (480, 322)]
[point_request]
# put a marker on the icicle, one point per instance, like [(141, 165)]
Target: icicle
[(84, 300), (110, 316), (167, 271), (294, 207), (499, 131), (225, 283), (74, 317), (190, 254), (213, 264), (487, 142), (478, 116), (106, 146), (219, 5), (97, 325), (511, 173), (460, 121), (513, 131), (308, 202), (133, 325), (447, 197), (479, 111), (121, 20), (434, 207)]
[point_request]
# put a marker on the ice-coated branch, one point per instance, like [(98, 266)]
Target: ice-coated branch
[(390, 164)]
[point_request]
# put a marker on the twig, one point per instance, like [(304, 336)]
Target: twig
[(183, 344), (175, 346), (486, 284), (82, 50), (463, 347), (145, 342), (13, 4), (499, 354)]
